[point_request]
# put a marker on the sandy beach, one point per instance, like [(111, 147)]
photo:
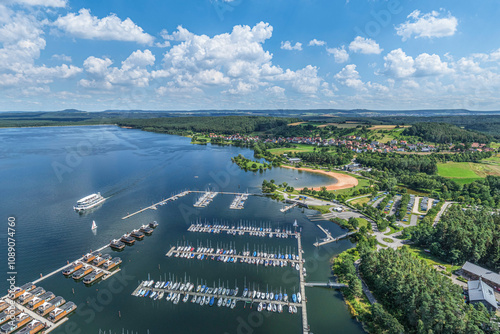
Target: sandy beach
[(343, 181)]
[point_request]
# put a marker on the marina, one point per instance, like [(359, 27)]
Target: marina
[(205, 199), (242, 229), (184, 193), (225, 297), (86, 260), (201, 253), (36, 314), (239, 202), (232, 256), (140, 186)]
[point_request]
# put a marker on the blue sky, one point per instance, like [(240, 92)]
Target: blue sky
[(248, 54)]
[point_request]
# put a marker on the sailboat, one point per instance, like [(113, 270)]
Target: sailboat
[(94, 226)]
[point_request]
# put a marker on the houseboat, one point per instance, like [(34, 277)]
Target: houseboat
[(33, 327)]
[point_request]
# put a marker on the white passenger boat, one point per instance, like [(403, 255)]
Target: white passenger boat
[(88, 202)]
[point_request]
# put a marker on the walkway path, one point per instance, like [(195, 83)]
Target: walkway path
[(441, 212), (366, 291)]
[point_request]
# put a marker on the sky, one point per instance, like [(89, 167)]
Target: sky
[(249, 54)]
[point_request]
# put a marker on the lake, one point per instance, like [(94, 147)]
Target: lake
[(44, 171)]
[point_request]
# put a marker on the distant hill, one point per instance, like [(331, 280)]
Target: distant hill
[(487, 122)]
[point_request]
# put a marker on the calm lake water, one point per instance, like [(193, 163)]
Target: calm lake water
[(44, 171)]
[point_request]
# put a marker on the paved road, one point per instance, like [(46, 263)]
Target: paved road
[(413, 220), (416, 206), (366, 291), (375, 204), (442, 211)]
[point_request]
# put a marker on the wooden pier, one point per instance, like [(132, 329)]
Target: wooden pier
[(330, 284), (289, 207), (329, 237)]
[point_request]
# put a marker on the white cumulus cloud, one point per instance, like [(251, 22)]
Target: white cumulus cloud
[(235, 61), (133, 71), (399, 65), (288, 46), (350, 77), (316, 42), (365, 46), (340, 54), (428, 25), (86, 26)]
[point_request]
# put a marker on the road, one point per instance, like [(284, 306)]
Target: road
[(375, 204), (441, 212), (366, 291), (413, 220)]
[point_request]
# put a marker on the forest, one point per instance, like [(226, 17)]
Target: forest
[(420, 299), (399, 164), (445, 133), (326, 158), (218, 125), (462, 235)]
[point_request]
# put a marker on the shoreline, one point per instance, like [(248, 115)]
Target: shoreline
[(54, 126), (343, 181)]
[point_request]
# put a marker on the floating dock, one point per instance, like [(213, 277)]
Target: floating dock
[(239, 202), (242, 230), (329, 237), (246, 300), (162, 202), (65, 266), (261, 258), (205, 199), (49, 325), (184, 193), (108, 273), (289, 207)]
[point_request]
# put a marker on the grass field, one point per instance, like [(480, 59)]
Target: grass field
[(495, 145), (386, 127), (361, 201), (467, 172), (362, 183), (457, 170), (299, 148), (321, 208), (431, 259), (362, 222), (493, 159), (341, 125)]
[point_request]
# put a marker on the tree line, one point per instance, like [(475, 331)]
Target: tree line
[(445, 133), (210, 124), (416, 297), (462, 235)]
